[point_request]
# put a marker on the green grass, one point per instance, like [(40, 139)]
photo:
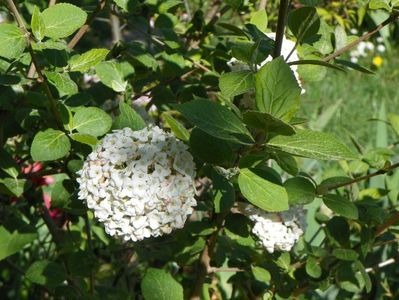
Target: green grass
[(358, 98)]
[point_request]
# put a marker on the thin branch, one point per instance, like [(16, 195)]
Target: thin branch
[(262, 4), (205, 259), (82, 31), (282, 17), (115, 28), (390, 222), (52, 2), (365, 177), (361, 39), (227, 270), (381, 265)]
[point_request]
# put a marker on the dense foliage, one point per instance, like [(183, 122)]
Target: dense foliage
[(155, 149)]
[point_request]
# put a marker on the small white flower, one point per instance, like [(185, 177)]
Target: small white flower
[(139, 183), (381, 48), (277, 231)]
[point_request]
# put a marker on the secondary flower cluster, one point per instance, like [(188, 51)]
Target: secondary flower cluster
[(367, 49), (286, 48), (139, 183), (277, 231)]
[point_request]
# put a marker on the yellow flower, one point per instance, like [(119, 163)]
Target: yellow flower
[(377, 61)]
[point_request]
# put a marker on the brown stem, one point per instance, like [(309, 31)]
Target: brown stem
[(282, 17), (82, 31), (262, 4), (361, 39), (390, 222), (115, 28), (365, 177), (205, 259)]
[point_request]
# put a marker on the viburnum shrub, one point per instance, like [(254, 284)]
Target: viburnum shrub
[(155, 149)]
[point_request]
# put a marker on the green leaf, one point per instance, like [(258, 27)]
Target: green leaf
[(286, 162), (261, 192), (15, 186), (63, 19), (315, 62), (277, 90), (111, 75), (123, 4), (37, 24), (345, 254), (177, 128), (45, 272), (89, 59), (49, 145), (341, 206), (8, 164), (128, 117), (353, 66), (312, 268), (64, 84), (158, 284), (300, 190), (61, 193), (304, 22), (92, 121), (267, 123), (84, 139), (210, 149), (261, 274), (348, 278), (259, 19), (216, 120), (380, 4), (313, 144), (236, 83), (12, 41), (222, 190), (366, 278), (12, 242), (338, 230)]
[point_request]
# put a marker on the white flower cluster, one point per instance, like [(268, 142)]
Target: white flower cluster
[(286, 49), (277, 231), (139, 183)]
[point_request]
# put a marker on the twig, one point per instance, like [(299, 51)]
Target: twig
[(381, 265), (115, 28), (282, 16), (52, 2), (365, 177), (215, 270), (361, 39), (82, 31), (391, 221), (205, 259), (262, 4), (52, 101)]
